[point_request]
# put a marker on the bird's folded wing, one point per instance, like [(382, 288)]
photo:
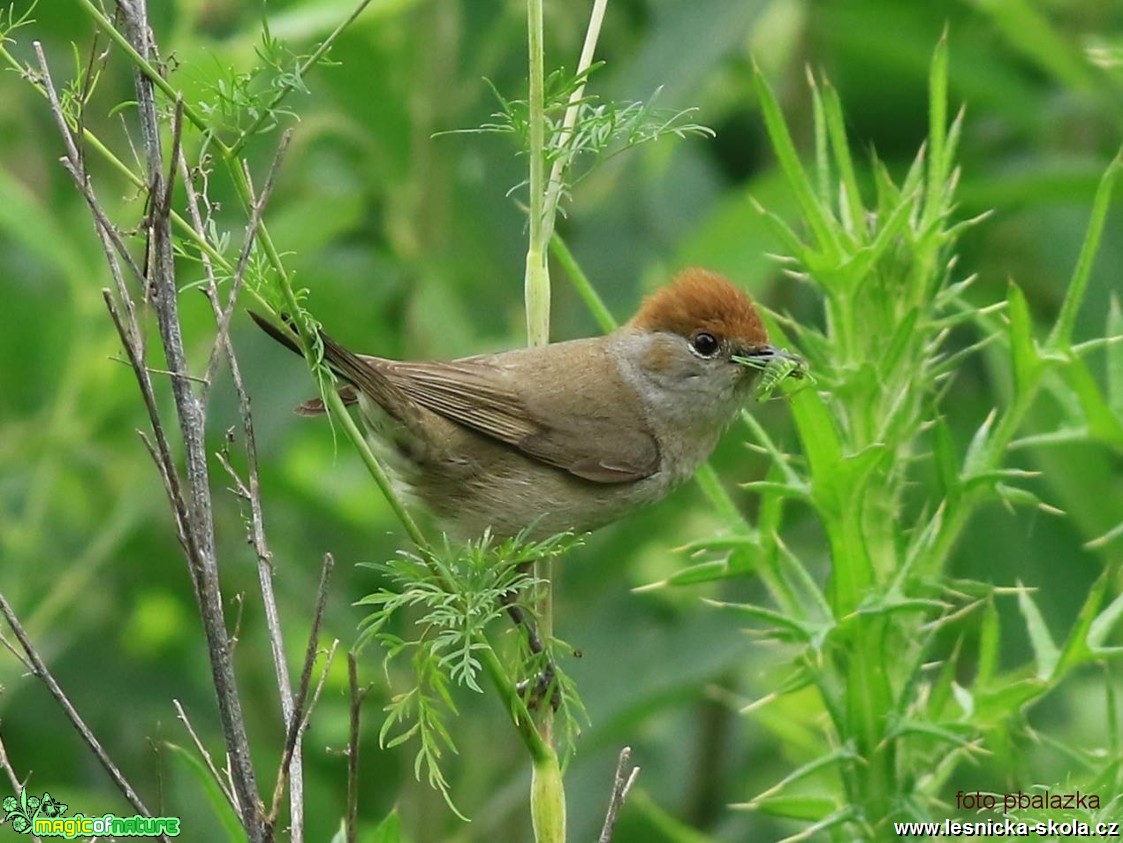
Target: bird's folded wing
[(591, 443)]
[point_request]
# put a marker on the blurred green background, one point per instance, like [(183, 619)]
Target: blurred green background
[(412, 247)]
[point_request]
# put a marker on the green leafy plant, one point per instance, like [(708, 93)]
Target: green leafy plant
[(594, 132), (901, 715), (458, 596)]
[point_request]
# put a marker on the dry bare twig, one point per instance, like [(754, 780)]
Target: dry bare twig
[(357, 695), (298, 721), (191, 417), (206, 756), (621, 785)]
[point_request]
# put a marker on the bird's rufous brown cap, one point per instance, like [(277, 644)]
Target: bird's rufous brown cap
[(700, 300)]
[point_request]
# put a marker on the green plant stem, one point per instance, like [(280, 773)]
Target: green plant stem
[(537, 282), (547, 794), (547, 801), (557, 172), (584, 287), (374, 468), (145, 67)]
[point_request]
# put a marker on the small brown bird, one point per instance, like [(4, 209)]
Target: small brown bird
[(567, 436)]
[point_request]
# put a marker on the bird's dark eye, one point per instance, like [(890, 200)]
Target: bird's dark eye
[(705, 344)]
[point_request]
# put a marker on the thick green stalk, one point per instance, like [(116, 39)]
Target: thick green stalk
[(537, 283), (547, 800), (547, 794)]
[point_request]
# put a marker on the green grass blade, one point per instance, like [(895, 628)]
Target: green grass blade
[(939, 162), (818, 218), (1061, 336), (851, 200)]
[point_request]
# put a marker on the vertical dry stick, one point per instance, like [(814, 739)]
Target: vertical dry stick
[(206, 756), (296, 721), (132, 338), (250, 489), (357, 697), (621, 785), (192, 421)]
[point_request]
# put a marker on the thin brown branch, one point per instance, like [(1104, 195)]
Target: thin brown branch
[(163, 202), (190, 412), (68, 138), (75, 165), (40, 671), (621, 786), (357, 695), (250, 489), (160, 450), (206, 756), (258, 208), (296, 722), (11, 648)]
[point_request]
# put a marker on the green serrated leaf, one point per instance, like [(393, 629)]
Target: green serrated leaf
[(943, 687), (818, 218), (1078, 646), (823, 447), (1045, 652), (932, 730), (903, 335), (965, 699), (997, 702), (990, 635), (800, 629), (709, 571), (806, 808), (843, 753), (1105, 622), (1061, 336), (1026, 359), (851, 200), (1103, 422), (389, 830), (939, 159), (977, 451), (947, 463)]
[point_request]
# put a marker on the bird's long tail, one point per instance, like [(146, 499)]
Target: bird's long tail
[(360, 374)]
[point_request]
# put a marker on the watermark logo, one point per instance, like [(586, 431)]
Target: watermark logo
[(45, 816), (22, 812)]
